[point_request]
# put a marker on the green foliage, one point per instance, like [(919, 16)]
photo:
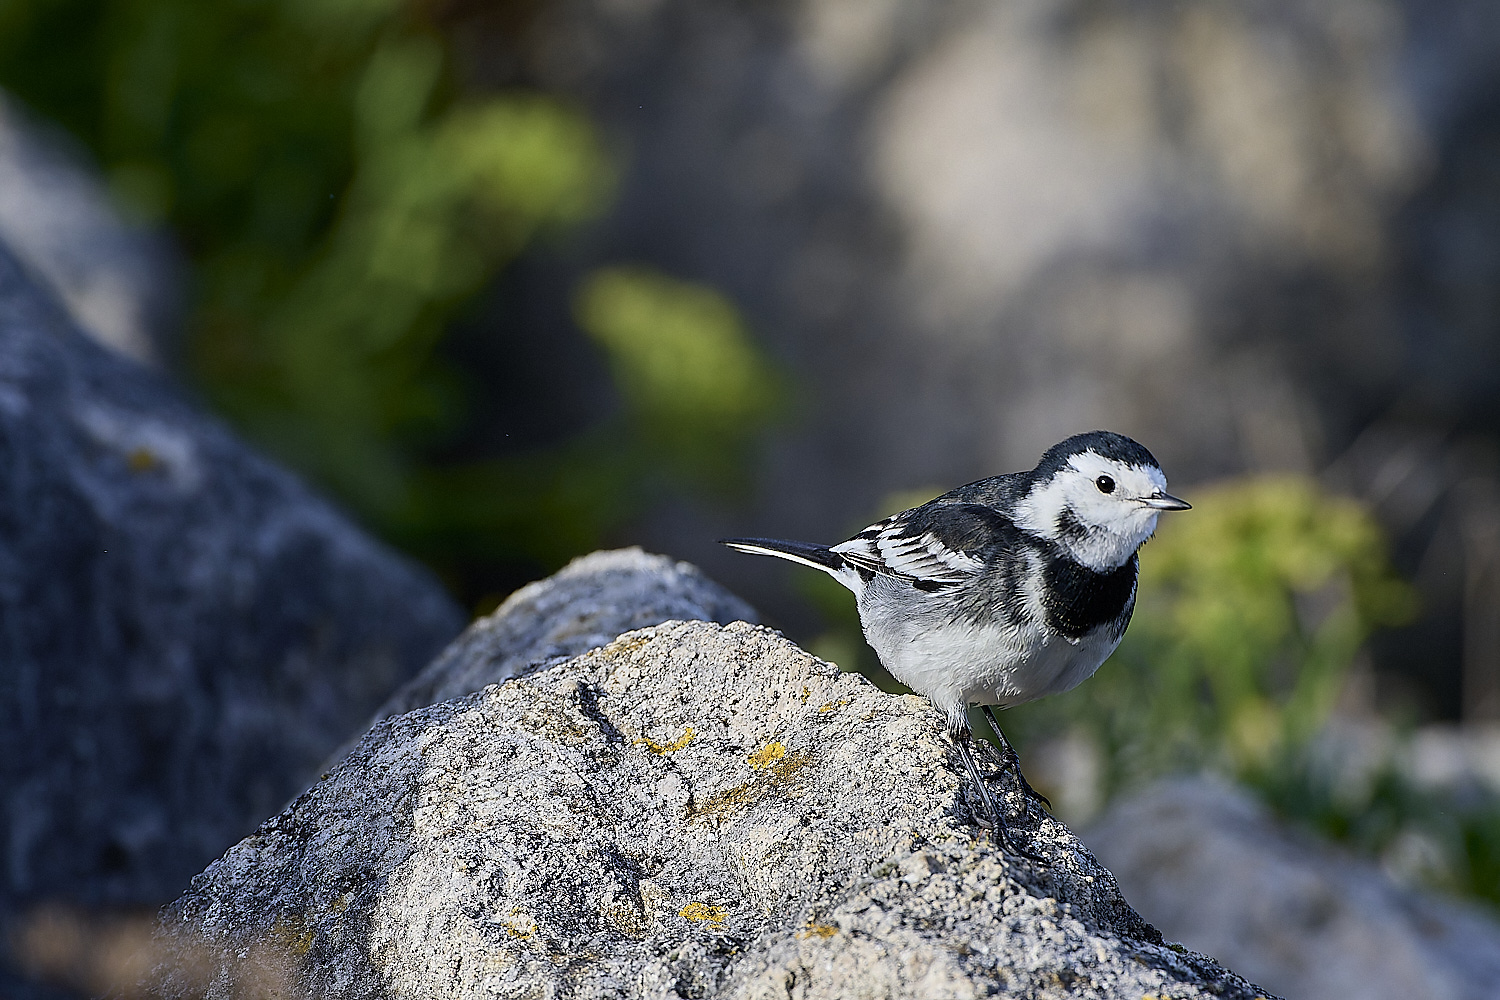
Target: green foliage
[(692, 379), (340, 356), (337, 197), (694, 390), (340, 199)]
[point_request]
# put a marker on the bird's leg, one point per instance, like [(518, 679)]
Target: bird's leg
[(992, 817), (996, 822), (1012, 760)]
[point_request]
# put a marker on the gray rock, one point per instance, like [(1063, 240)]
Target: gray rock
[(692, 810), (119, 282), (585, 604), (1212, 868), (186, 631)]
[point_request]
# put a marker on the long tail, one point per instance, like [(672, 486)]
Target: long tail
[(817, 556)]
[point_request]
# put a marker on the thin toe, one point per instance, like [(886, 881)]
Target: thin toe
[(1028, 854), (1007, 843), (978, 815)]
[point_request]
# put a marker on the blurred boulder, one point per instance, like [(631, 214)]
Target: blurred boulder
[(120, 282), (1463, 760), (692, 810), (186, 631), (1212, 869)]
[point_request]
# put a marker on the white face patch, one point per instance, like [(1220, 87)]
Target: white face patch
[(1100, 529)]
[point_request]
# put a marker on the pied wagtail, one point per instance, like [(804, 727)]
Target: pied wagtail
[(1005, 590)]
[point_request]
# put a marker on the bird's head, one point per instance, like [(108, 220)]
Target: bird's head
[(1098, 495)]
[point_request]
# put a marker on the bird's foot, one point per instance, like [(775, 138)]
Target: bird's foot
[(1004, 842), (978, 814), (987, 816), (1000, 833)]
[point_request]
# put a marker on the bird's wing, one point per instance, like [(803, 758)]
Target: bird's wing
[(930, 547)]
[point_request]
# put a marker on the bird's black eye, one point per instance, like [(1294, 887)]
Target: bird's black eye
[(1105, 484)]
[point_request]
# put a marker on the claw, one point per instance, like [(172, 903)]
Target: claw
[(1032, 793)]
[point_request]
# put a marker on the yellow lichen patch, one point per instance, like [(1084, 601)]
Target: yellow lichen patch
[(806, 694), (293, 935), (786, 767), (720, 804), (519, 925), (824, 931), (702, 911), (767, 755), (776, 767), (627, 644), (624, 916), (830, 706), (665, 748)]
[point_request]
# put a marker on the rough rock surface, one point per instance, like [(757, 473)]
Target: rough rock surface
[(693, 810), (1210, 867), (186, 631)]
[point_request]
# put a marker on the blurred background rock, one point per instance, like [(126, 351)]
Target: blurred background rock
[(186, 632), (516, 279)]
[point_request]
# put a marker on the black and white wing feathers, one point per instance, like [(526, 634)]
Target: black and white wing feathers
[(930, 547)]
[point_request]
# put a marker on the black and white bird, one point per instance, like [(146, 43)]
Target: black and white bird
[(1005, 590)]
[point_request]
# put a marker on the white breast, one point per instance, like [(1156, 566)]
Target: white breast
[(960, 664)]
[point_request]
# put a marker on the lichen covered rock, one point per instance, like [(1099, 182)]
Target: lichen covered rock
[(691, 810)]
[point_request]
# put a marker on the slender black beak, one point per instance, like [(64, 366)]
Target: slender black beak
[(1165, 501)]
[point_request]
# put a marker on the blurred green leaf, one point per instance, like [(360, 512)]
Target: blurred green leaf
[(692, 379), (684, 425)]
